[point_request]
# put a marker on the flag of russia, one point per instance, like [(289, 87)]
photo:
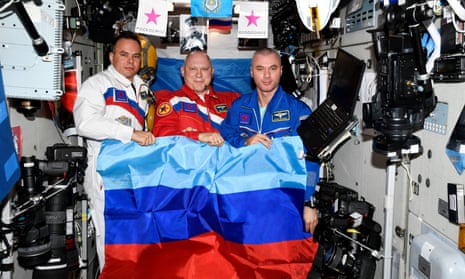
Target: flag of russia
[(183, 209)]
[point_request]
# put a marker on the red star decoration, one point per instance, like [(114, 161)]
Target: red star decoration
[(252, 19)]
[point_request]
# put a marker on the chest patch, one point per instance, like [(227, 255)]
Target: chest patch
[(120, 96), (189, 107), (221, 108), (244, 118), (282, 115)]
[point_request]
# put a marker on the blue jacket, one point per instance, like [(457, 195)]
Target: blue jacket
[(282, 117)]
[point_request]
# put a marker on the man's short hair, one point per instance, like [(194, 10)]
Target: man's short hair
[(266, 51), (125, 35)]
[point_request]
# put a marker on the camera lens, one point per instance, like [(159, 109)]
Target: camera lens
[(33, 239), (34, 245)]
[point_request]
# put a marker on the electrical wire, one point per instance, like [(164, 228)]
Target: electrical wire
[(412, 182)]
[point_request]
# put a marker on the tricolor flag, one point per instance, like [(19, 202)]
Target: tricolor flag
[(152, 17), (253, 20), (183, 209), (211, 8), (220, 25)]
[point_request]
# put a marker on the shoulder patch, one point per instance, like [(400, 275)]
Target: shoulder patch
[(164, 109), (221, 108)]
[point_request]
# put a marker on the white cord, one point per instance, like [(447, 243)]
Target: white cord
[(411, 181), (78, 8)]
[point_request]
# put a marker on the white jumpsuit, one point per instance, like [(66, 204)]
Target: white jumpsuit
[(106, 107)]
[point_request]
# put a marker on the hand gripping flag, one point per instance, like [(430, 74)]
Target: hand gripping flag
[(183, 209)]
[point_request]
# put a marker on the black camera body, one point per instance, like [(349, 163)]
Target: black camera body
[(405, 96), (66, 153), (43, 226), (346, 233)]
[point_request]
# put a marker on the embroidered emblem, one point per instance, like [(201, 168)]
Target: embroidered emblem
[(221, 108), (244, 118), (189, 129), (164, 109), (280, 116), (189, 107), (120, 96), (124, 120)]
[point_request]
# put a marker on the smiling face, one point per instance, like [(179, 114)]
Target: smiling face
[(197, 72), (126, 57), (266, 72)]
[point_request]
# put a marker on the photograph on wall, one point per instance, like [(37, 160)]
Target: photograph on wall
[(172, 32), (193, 33)]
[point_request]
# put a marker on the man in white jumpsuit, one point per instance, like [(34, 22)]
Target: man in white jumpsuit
[(111, 105)]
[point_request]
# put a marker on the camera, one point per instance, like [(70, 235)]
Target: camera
[(284, 24), (43, 224), (32, 235), (404, 96), (349, 238)]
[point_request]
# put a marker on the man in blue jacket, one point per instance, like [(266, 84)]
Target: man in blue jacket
[(269, 112)]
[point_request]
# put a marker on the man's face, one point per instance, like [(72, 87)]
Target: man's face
[(266, 72), (197, 72), (126, 57)]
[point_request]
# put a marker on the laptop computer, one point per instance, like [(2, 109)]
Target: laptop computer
[(335, 114)]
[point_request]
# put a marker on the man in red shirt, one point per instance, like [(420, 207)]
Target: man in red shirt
[(195, 110)]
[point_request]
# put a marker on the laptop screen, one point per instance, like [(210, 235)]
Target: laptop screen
[(345, 80), (327, 122)]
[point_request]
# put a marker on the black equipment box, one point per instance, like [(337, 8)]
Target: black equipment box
[(449, 69)]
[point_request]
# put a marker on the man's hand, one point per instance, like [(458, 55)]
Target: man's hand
[(143, 138), (310, 219), (213, 139), (259, 138)]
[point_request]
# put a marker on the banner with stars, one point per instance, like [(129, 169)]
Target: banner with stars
[(253, 20), (152, 17)]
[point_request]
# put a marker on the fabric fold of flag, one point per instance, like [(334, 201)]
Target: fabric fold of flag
[(183, 209)]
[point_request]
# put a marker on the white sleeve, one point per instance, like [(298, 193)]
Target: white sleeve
[(89, 113)]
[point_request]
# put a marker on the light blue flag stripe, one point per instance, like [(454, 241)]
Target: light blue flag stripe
[(181, 163)]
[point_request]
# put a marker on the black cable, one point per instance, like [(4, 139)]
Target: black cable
[(39, 44)]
